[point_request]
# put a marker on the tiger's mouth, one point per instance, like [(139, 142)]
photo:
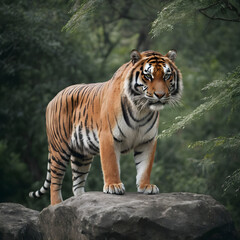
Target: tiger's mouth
[(157, 103)]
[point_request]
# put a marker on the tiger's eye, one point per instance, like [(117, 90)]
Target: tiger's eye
[(148, 76), (167, 76)]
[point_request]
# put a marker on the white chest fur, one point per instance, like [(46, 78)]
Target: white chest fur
[(132, 131)]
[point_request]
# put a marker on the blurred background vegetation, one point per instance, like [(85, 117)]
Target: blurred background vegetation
[(48, 45)]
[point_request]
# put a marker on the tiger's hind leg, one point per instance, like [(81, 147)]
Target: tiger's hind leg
[(59, 162), (80, 165)]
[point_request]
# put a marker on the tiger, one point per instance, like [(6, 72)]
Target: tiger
[(110, 118)]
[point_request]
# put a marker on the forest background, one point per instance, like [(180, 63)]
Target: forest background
[(48, 45)]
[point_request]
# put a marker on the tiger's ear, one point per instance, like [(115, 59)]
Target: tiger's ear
[(135, 56), (172, 54)]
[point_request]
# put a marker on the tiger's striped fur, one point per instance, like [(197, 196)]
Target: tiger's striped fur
[(110, 118)]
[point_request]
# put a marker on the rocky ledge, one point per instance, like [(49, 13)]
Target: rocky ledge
[(18, 222), (94, 215)]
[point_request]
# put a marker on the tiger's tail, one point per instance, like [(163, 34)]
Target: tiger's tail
[(47, 182)]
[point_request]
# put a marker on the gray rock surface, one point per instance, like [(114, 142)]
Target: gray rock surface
[(18, 222), (170, 216)]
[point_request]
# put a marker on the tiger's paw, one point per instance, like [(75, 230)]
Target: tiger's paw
[(114, 188), (148, 189)]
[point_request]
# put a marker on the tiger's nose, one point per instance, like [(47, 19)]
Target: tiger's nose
[(160, 94)]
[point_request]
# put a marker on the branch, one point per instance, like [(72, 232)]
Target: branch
[(229, 6), (233, 8), (219, 18)]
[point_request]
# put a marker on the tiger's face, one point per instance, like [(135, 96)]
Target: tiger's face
[(155, 80)]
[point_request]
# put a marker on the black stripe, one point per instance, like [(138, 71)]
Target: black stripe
[(56, 107), (82, 173), (138, 163), (75, 178), (65, 130), (136, 85), (63, 158), (86, 121), (79, 91), (131, 89), (151, 58), (59, 184), (137, 74), (133, 118), (125, 115), (70, 122), (152, 123), (72, 102), (79, 155), (126, 150), (59, 189), (137, 153), (148, 141), (59, 116), (120, 130), (58, 174), (78, 187), (58, 162), (60, 149), (66, 105), (95, 137), (148, 120), (63, 170), (117, 140), (89, 151), (70, 91), (79, 164), (176, 78), (91, 123), (83, 95), (79, 116), (91, 145), (84, 110), (80, 136), (56, 178), (63, 151), (78, 183), (40, 193)]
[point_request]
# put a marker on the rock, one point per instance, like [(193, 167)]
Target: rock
[(167, 216), (18, 222)]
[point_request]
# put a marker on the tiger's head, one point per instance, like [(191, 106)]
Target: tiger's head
[(154, 80)]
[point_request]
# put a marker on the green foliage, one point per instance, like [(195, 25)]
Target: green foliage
[(233, 181), (174, 12), (223, 142), (185, 11)]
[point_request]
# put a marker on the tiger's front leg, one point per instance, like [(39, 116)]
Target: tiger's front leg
[(110, 165), (144, 157)]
